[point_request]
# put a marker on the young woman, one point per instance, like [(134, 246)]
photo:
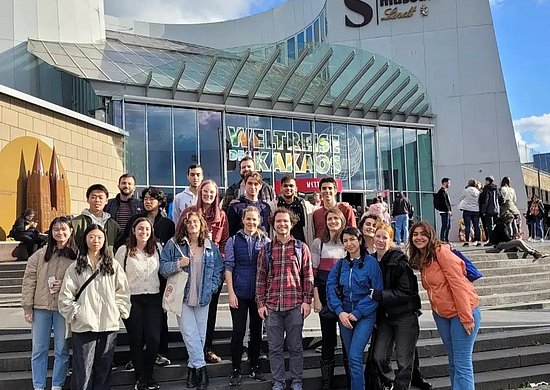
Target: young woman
[(399, 304), (453, 299), (241, 263), (325, 253), (94, 297), (191, 251), (209, 205), (348, 290), (535, 218), (510, 205), (367, 226), (24, 230), (41, 283), (377, 208), (140, 260), (469, 204)]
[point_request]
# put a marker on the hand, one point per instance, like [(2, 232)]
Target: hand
[(56, 286), (305, 309), (344, 319), (28, 318), (262, 311), (468, 328), (351, 317), (450, 213), (184, 262), (233, 301), (317, 306)]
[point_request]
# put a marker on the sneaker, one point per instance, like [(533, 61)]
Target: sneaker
[(162, 361), (141, 384), (542, 240), (466, 244), (296, 386), (244, 356), (235, 379), (319, 349), (129, 366), (478, 243), (211, 357), (530, 239), (278, 386), (257, 374), (152, 384), (263, 356), (113, 366), (488, 244)]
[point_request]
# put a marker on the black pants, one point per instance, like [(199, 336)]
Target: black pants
[(247, 307), (402, 333), (144, 328), (489, 221), (163, 346), (211, 325), (328, 327), (31, 240), (92, 358)]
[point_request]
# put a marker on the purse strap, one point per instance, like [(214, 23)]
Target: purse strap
[(86, 283)]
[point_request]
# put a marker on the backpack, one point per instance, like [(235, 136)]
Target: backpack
[(439, 202), (298, 246), (472, 273), (534, 209)]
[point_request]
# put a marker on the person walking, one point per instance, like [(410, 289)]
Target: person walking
[(469, 204), (401, 210), (39, 298), (454, 301)]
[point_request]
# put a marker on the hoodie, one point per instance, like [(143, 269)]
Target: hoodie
[(82, 221), (469, 201)]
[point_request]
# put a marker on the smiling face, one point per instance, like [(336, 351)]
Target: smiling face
[(352, 245), (127, 186), (246, 166), (61, 232), (382, 240), (97, 201), (282, 224), (334, 223), (288, 189), (208, 194), (368, 228), (95, 240), (143, 231), (328, 192), (251, 221), (420, 238)]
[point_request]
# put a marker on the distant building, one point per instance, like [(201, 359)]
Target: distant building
[(542, 161)]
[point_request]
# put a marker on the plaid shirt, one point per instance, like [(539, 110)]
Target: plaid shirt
[(284, 286)]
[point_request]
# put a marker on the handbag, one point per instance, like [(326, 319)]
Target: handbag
[(172, 298), (472, 273), (325, 312)]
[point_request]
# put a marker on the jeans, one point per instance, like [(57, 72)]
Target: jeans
[(401, 228), (247, 312), (92, 360), (192, 324), (42, 323), (536, 228), (402, 333), (276, 324), (355, 341), (459, 346), (445, 226), (471, 216)]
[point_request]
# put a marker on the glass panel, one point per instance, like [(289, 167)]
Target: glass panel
[(385, 157), (355, 150), (116, 113), (282, 152), (369, 156), (211, 144), (398, 158), (159, 133), (411, 157), (301, 42), (414, 198), (316, 31), (185, 142), (302, 143), (291, 47), (427, 211), (236, 144), (425, 160), (309, 34), (259, 145), (326, 152), (136, 154)]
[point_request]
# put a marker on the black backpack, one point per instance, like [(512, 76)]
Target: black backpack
[(439, 201)]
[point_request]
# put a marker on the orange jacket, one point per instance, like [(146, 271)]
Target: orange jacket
[(449, 292)]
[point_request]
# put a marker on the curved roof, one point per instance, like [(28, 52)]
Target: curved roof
[(323, 78)]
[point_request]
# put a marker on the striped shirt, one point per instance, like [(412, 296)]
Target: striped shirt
[(124, 213)]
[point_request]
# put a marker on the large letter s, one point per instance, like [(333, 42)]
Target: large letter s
[(362, 9)]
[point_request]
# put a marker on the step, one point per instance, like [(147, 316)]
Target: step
[(11, 273), (10, 282), (501, 289), (503, 301), (13, 265), (10, 289)]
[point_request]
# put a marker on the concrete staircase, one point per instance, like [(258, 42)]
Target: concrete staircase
[(504, 357)]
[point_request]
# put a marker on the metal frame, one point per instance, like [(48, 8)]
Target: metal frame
[(332, 80), (311, 77), (277, 94), (403, 100), (355, 101), (252, 93), (382, 107), (413, 105), (235, 74), (202, 84), (178, 78), (351, 84)]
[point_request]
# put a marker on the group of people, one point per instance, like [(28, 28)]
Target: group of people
[(278, 255)]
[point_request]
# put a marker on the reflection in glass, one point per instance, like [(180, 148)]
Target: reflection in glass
[(425, 160), (303, 148), (235, 144), (398, 158), (211, 142), (427, 211), (415, 202), (136, 147), (281, 166), (159, 134), (185, 142), (411, 157), (301, 42), (309, 34), (259, 145), (291, 48), (385, 157)]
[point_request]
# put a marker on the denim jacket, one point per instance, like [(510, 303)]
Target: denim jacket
[(211, 271), (355, 283)]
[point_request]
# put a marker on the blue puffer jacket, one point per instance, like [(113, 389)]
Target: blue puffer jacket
[(243, 262), (234, 214), (355, 282), (212, 268)]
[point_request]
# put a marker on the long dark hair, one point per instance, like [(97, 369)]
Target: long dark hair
[(150, 245), (105, 259), (419, 259), (353, 231), (69, 250)]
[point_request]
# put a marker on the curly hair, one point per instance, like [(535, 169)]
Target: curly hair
[(419, 259), (106, 260), (374, 217), (150, 245), (279, 210), (181, 231)]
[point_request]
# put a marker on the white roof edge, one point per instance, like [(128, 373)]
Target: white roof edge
[(60, 110)]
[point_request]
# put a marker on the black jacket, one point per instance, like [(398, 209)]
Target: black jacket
[(113, 205), (400, 293), (266, 194), (490, 200), (401, 205), (445, 201), (163, 227), (501, 233)]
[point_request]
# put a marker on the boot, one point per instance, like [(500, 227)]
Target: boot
[(202, 378), (327, 373), (191, 378)]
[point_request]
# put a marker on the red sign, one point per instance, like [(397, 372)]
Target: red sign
[(308, 185)]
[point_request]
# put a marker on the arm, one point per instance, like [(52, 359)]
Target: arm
[(168, 264), (228, 197), (29, 283), (68, 307), (178, 208), (350, 217), (233, 220), (398, 294), (261, 282), (122, 293), (315, 257), (120, 254), (307, 276), (333, 301), (224, 235), (229, 263), (366, 306), (217, 276)]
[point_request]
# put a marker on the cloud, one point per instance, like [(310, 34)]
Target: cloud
[(495, 3), (536, 129), (182, 11)]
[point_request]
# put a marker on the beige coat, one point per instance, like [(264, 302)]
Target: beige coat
[(102, 303), (36, 292)]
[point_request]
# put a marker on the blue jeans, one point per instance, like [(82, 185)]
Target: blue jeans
[(401, 228), (355, 341), (192, 324), (471, 216), (536, 228), (459, 347), (42, 323), (445, 226)]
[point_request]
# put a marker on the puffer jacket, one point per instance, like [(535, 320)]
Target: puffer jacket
[(355, 282), (35, 293), (469, 201), (510, 201)]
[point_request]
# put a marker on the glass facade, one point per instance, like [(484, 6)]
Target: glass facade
[(163, 141)]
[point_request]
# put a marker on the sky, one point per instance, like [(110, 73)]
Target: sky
[(522, 29)]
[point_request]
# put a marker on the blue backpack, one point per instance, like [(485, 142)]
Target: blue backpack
[(472, 273)]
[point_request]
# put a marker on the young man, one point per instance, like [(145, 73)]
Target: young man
[(303, 229), (401, 211), (252, 183), (443, 205), (490, 200), (124, 205), (328, 188), (96, 196), (236, 190), (284, 291), (188, 197)]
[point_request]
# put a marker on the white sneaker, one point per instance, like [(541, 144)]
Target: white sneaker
[(56, 387), (542, 240)]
